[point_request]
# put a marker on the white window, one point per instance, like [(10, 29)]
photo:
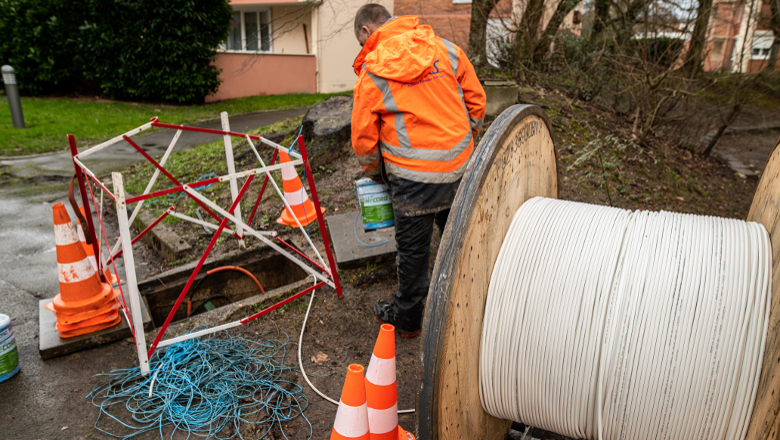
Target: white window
[(762, 45), (250, 31), (717, 51)]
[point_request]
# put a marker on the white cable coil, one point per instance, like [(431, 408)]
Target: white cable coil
[(603, 323)]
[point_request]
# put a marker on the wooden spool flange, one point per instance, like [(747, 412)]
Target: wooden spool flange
[(514, 162)]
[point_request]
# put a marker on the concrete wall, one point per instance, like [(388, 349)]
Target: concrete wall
[(288, 30), (336, 46), (265, 74)]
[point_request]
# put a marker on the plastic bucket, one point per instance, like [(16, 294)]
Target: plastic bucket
[(9, 355), (376, 205)]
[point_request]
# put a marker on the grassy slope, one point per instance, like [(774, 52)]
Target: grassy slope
[(48, 120)]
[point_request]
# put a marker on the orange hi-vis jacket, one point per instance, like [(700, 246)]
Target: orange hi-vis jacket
[(416, 101)]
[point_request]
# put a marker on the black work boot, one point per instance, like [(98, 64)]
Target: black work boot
[(387, 314)]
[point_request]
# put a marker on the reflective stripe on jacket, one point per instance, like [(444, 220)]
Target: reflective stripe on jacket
[(416, 101)]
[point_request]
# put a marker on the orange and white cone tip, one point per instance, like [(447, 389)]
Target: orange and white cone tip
[(84, 304), (381, 390), (296, 196), (90, 251), (352, 416)]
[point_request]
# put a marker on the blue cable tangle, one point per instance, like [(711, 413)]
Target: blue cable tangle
[(209, 387)]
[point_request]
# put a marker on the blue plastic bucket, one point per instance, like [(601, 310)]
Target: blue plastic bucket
[(9, 355)]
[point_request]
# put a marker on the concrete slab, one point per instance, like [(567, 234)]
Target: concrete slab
[(350, 253), (51, 345)]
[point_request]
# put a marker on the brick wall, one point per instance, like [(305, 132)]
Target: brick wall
[(449, 21)]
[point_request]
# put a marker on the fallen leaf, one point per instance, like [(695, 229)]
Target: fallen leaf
[(64, 428), (319, 358), (157, 110), (682, 199)]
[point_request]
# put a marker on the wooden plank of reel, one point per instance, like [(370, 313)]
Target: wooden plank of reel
[(516, 161), (765, 209)]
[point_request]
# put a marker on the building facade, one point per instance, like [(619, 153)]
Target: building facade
[(739, 37), (280, 47)]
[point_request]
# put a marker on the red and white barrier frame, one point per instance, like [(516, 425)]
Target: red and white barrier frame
[(323, 273)]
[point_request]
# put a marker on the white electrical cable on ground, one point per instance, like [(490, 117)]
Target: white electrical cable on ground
[(603, 323), (300, 359)]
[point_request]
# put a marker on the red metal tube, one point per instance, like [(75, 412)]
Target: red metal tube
[(287, 245), (171, 178), (139, 236), (173, 189), (262, 190), (281, 303), (100, 184), (195, 272), (84, 201), (320, 218)]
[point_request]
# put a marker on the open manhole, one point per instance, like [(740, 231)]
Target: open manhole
[(270, 268)]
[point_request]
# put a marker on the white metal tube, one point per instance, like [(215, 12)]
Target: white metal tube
[(264, 169), (260, 236), (231, 167), (132, 283), (113, 141), (287, 206), (152, 181), (198, 334), (200, 222)]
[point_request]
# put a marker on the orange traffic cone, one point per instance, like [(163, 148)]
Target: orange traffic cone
[(352, 416), (84, 304), (295, 194), (381, 391), (90, 250)]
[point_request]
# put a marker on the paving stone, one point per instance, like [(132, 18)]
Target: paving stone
[(51, 345), (349, 252)]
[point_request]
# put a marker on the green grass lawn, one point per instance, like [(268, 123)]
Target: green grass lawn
[(48, 120)]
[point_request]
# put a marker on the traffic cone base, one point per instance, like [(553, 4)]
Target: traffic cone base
[(79, 317), (305, 218), (97, 320), (94, 328), (296, 197), (404, 435), (88, 304)]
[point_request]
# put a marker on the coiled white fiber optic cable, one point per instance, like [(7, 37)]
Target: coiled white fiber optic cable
[(603, 323)]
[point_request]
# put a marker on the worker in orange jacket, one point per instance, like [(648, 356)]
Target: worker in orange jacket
[(418, 105)]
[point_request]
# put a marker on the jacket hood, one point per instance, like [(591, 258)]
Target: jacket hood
[(400, 50)]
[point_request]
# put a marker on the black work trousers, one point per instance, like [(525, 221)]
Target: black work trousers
[(413, 241)]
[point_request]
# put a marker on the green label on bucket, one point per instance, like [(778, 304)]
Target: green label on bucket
[(376, 206), (9, 356)]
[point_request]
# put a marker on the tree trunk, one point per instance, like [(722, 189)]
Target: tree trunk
[(693, 57), (601, 11), (543, 45), (480, 12), (525, 38), (774, 22)]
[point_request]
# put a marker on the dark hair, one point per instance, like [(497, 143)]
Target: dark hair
[(371, 13)]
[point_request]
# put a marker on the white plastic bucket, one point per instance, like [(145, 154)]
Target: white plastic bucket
[(9, 355)]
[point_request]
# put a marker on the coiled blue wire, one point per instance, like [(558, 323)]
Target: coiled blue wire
[(209, 387)]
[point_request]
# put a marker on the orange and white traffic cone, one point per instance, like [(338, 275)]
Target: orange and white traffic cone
[(381, 390), (352, 416), (295, 194), (90, 251), (84, 304)]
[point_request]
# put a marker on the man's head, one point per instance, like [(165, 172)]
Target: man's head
[(368, 19)]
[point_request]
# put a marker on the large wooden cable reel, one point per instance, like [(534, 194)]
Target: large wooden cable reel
[(515, 161)]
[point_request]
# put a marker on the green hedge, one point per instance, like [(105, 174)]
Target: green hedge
[(126, 49)]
